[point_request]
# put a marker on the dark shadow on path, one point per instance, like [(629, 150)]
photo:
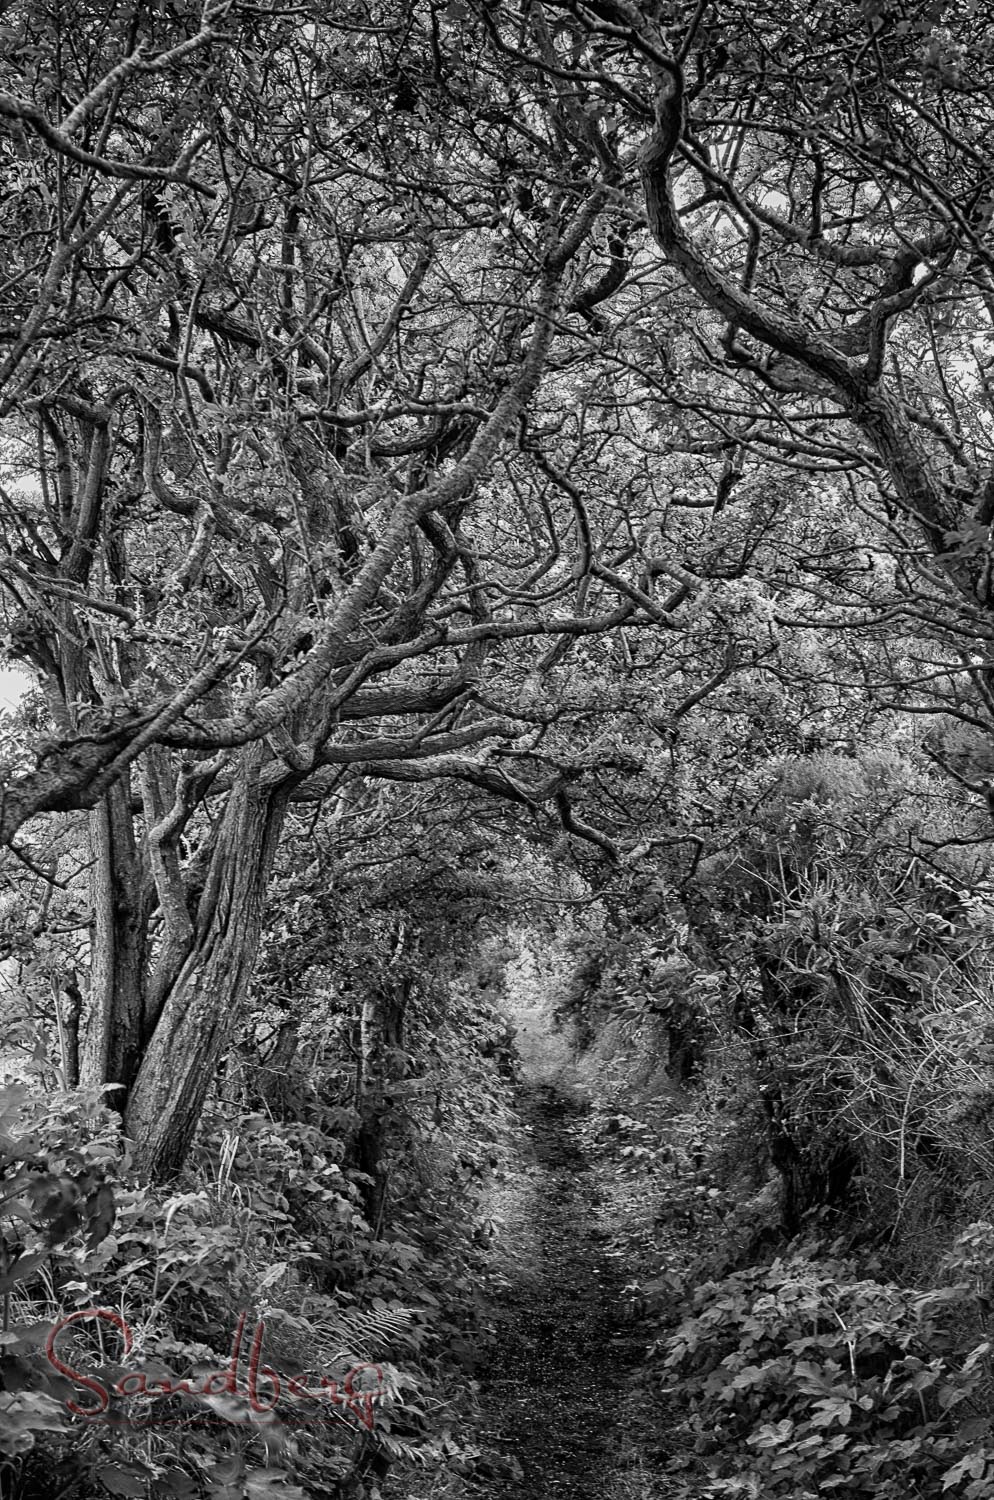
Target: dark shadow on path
[(552, 1390)]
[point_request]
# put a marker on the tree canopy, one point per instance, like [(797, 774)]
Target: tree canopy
[(491, 435)]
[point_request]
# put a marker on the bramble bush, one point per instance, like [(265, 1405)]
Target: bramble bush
[(803, 1379)]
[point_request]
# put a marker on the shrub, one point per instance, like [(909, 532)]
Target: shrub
[(54, 1194), (804, 1379)]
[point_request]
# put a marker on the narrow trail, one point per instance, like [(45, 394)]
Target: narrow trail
[(554, 1390)]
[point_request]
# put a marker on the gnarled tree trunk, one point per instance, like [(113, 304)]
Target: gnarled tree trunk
[(204, 999)]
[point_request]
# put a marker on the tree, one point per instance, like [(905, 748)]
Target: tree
[(369, 365), (264, 494), (816, 180)]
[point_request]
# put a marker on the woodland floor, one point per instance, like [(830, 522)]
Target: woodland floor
[(559, 1391)]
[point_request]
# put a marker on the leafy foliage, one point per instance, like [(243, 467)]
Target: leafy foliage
[(827, 1382)]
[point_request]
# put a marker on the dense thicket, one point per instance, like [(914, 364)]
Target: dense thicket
[(487, 469)]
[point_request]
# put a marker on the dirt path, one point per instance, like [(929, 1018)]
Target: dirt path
[(557, 1382)]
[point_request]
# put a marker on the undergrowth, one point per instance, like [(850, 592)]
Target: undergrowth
[(361, 1337)]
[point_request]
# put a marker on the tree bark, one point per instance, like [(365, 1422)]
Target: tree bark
[(381, 1041), (279, 1082), (204, 1000), (119, 962)]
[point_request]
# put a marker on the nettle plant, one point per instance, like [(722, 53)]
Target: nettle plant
[(804, 1379)]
